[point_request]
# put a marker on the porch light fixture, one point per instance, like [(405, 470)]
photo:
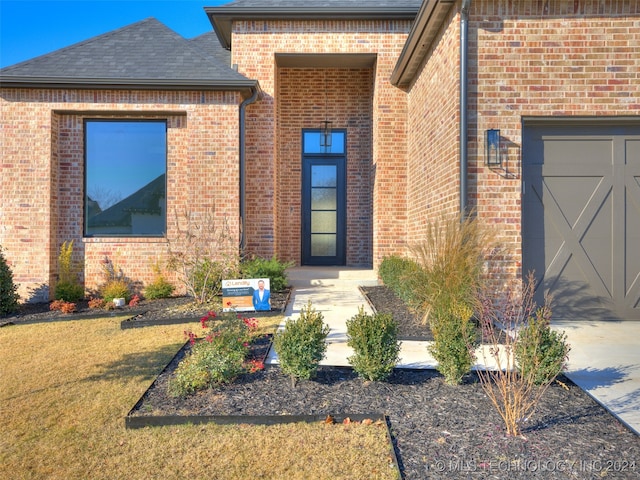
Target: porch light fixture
[(493, 157), (325, 132)]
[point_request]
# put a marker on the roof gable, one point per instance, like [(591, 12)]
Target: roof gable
[(146, 54)]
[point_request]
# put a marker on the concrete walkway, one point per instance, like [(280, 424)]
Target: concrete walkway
[(604, 358)]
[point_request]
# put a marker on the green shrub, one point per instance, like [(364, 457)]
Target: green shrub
[(69, 291), (374, 339), (215, 360), (302, 344), (394, 272), (68, 287), (117, 288), (159, 288), (454, 335), (8, 290), (273, 269), (206, 277), (539, 351)]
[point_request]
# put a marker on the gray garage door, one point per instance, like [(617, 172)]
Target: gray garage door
[(581, 218)]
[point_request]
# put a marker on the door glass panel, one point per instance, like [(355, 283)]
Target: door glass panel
[(323, 222), (324, 176), (323, 245), (324, 199)]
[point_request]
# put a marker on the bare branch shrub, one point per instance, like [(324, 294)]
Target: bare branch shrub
[(515, 393), (203, 253)]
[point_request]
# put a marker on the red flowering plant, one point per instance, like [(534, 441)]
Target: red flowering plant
[(219, 357)]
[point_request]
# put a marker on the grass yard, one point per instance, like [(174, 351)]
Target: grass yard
[(65, 388)]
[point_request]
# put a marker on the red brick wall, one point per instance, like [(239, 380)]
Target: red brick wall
[(527, 59), (269, 216), (42, 176), (551, 58), (433, 186)]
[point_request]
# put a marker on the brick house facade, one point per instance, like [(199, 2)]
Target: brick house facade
[(390, 77)]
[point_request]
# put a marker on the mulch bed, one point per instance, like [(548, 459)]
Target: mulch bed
[(439, 431), (159, 311)]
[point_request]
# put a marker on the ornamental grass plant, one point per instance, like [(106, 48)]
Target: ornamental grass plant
[(445, 287)]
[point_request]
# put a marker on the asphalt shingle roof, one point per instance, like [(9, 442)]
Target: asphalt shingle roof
[(208, 43), (144, 53)]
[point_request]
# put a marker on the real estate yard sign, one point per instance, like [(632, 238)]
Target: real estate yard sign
[(246, 295)]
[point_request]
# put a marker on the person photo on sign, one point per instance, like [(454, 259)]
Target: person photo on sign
[(261, 298)]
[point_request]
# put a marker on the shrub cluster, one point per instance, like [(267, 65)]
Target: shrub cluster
[(394, 272), (69, 291), (302, 344), (374, 339), (116, 288), (216, 359), (199, 253), (273, 269), (8, 290), (63, 306)]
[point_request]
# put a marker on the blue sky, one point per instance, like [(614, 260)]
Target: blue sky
[(29, 28)]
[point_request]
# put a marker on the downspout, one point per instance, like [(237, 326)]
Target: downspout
[(242, 164), (464, 67)]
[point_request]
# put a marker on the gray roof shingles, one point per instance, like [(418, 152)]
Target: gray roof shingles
[(208, 43), (146, 52)]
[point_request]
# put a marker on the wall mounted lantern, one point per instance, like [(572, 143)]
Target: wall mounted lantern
[(325, 134), (493, 156)]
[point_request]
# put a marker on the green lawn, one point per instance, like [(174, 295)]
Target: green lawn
[(65, 388)]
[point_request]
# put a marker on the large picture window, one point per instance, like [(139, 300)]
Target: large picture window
[(125, 178)]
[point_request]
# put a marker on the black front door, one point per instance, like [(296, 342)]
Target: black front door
[(323, 200)]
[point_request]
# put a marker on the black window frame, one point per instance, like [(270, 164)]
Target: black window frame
[(85, 220)]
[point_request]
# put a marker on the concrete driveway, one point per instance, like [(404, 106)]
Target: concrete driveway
[(605, 362)]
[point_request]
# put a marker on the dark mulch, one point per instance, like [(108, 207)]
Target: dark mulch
[(410, 324), (439, 431), (159, 309)]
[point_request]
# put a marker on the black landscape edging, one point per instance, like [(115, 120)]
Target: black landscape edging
[(132, 323), (132, 422), (135, 422), (66, 317)]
